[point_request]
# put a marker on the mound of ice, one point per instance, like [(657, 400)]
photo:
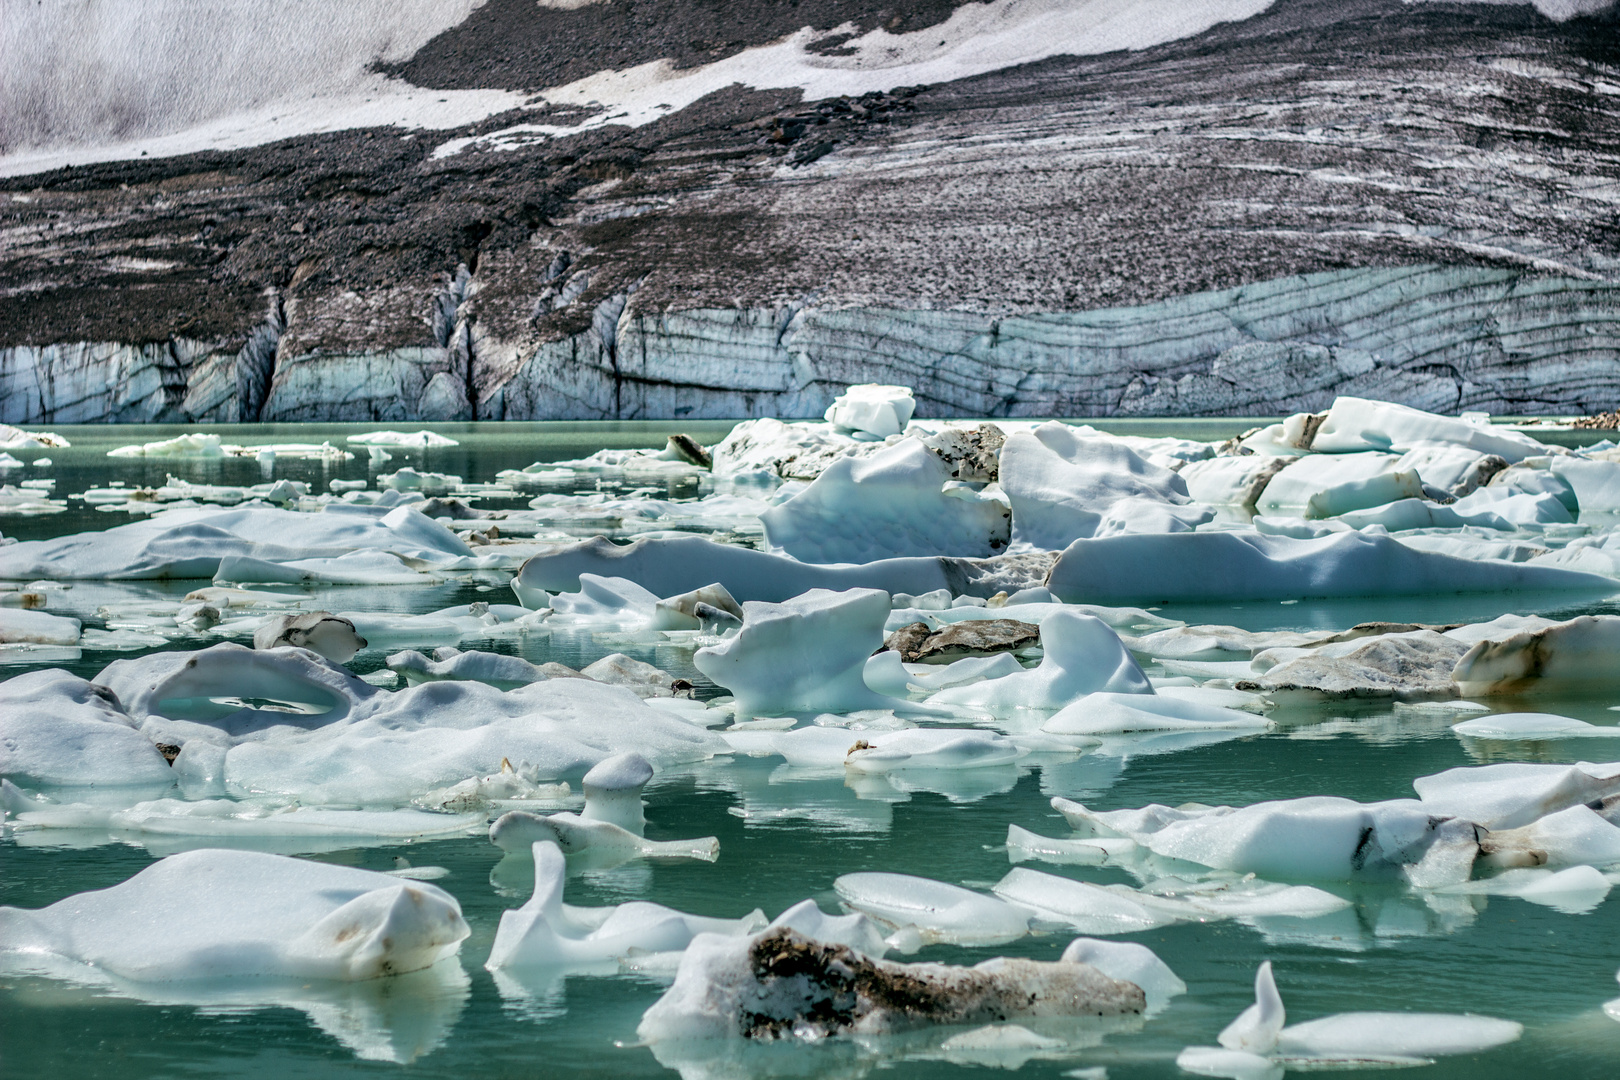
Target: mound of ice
[(900, 502), (1128, 962), (57, 730), (807, 654), (1082, 656), (1358, 424), (1229, 566), (781, 984), (873, 409), (1569, 657), (547, 932), (496, 669), (1515, 794), (1532, 726), (245, 914), (19, 625), (1064, 487)]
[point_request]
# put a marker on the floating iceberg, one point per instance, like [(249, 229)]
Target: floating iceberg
[(547, 932), (245, 914), (1082, 656), (872, 409), (1256, 1043), (934, 910)]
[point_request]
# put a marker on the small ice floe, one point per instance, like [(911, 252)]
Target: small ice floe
[(547, 932), (1082, 656), (932, 911), (493, 669), (428, 483), (404, 869), (872, 409), (408, 439), (20, 625), (1119, 714), (870, 751), (285, 827), (780, 984), (1024, 846), (807, 654), (518, 783), (320, 632), (611, 824), (900, 502), (1119, 909), (1256, 1046), (1573, 891), (17, 439), (245, 915), (1533, 727), (1514, 794)]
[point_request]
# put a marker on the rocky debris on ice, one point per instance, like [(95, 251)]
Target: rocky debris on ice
[(545, 932), (1081, 656), (872, 409), (1577, 656), (780, 984), (917, 644), (898, 503), (1230, 566), (973, 455), (1063, 487), (1257, 1045), (320, 632), (1231, 481), (1411, 666), (245, 915), (777, 450)]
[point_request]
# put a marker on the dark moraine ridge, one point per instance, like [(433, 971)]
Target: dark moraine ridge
[(1415, 202)]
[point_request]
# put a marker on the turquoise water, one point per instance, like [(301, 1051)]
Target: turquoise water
[(786, 835)]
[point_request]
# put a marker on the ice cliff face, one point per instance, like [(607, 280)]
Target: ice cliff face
[(1408, 202)]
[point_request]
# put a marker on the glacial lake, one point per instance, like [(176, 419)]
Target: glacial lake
[(785, 835)]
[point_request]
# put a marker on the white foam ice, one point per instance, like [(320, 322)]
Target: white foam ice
[(246, 914)]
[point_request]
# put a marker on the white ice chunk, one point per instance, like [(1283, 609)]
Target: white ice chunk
[(1129, 962), (900, 502), (1091, 909), (873, 408), (1532, 726), (19, 625), (938, 911), (1082, 656), (1574, 656), (1116, 714), (807, 654), (402, 438), (547, 932), (613, 791), (1063, 486), (1257, 1028), (1513, 794), (245, 914), (1358, 424), (56, 730)]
